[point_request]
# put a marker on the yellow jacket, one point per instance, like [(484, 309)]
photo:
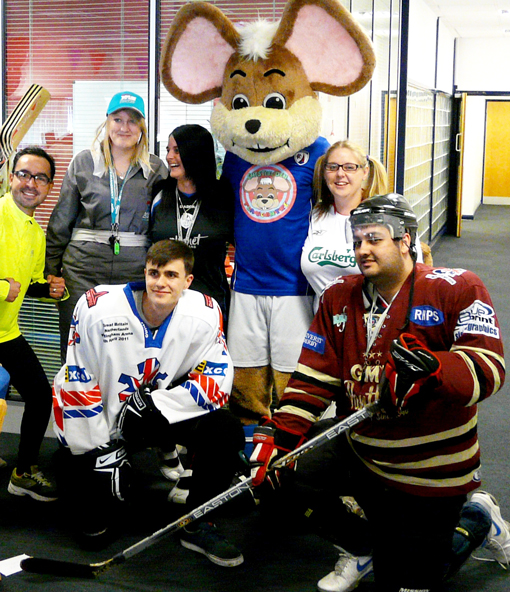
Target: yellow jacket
[(22, 249)]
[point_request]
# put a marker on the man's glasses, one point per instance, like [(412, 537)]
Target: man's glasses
[(348, 167), (39, 179)]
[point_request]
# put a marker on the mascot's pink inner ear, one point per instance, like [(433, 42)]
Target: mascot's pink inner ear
[(200, 57), (326, 50)]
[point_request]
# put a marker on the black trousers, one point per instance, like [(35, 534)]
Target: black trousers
[(213, 442), (29, 379), (409, 536)]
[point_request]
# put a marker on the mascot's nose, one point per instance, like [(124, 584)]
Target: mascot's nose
[(252, 126)]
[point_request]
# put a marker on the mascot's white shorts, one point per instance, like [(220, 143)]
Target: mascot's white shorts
[(268, 330)]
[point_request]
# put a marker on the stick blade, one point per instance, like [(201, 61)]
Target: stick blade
[(32, 111), (52, 567)]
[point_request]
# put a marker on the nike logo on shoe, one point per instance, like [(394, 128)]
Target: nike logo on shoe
[(361, 566)]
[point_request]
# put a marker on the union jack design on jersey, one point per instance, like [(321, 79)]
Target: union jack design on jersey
[(75, 404), (149, 374), (186, 361), (74, 336), (209, 396)]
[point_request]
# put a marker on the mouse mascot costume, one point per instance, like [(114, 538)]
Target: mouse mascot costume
[(268, 117)]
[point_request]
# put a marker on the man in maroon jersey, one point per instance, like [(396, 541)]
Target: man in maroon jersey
[(425, 343)]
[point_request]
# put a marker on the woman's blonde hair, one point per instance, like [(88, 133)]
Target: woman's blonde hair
[(141, 153), (376, 182)]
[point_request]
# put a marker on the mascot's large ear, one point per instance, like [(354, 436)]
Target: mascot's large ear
[(335, 52), (196, 51)]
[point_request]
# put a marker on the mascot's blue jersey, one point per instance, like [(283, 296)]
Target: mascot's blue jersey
[(273, 204)]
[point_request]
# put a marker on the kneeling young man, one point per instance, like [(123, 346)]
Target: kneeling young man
[(425, 343), (147, 366)]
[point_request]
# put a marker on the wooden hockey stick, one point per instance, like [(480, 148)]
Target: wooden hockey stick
[(80, 570), (22, 118), (17, 125)]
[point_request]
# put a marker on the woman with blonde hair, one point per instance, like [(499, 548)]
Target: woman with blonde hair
[(344, 176), (97, 233)]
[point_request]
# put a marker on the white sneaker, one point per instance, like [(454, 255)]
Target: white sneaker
[(179, 494), (498, 539), (349, 571), (170, 465)]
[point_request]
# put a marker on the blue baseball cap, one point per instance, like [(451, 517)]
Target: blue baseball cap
[(126, 100)]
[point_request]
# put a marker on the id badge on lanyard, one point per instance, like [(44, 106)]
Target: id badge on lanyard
[(115, 199)]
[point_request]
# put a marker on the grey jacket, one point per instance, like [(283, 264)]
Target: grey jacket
[(84, 202)]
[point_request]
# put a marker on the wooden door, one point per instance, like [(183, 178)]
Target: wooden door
[(496, 177)]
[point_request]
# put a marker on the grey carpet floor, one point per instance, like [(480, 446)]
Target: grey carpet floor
[(275, 560)]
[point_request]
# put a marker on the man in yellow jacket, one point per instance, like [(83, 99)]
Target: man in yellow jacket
[(22, 248)]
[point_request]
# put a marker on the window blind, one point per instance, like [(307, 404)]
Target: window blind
[(85, 46)]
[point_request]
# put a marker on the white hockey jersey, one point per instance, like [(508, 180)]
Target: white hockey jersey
[(112, 352)]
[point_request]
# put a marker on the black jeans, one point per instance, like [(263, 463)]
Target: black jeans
[(213, 442), (29, 379), (409, 536)]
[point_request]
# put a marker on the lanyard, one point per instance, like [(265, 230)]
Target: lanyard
[(115, 198), (185, 219), (373, 328)]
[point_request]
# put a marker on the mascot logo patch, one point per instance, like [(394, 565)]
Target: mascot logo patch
[(267, 192), (301, 158)]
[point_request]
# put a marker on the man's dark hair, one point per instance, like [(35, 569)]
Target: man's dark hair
[(35, 151), (168, 250)]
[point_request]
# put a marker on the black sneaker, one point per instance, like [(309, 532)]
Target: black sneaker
[(34, 484), (208, 541)]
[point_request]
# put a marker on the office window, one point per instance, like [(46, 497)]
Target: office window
[(82, 52)]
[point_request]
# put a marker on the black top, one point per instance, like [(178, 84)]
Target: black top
[(212, 231)]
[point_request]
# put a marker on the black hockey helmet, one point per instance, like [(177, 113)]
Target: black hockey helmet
[(392, 211)]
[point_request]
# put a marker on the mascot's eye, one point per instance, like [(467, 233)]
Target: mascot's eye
[(240, 102), (275, 101)]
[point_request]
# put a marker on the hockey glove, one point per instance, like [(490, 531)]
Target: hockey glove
[(410, 365), (141, 423), (112, 469), (271, 441)]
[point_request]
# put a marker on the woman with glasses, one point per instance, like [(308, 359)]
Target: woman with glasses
[(97, 233), (343, 177)]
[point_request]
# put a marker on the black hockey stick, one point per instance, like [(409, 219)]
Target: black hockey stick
[(79, 570)]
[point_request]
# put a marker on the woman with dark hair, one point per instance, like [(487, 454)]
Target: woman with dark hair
[(196, 208)]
